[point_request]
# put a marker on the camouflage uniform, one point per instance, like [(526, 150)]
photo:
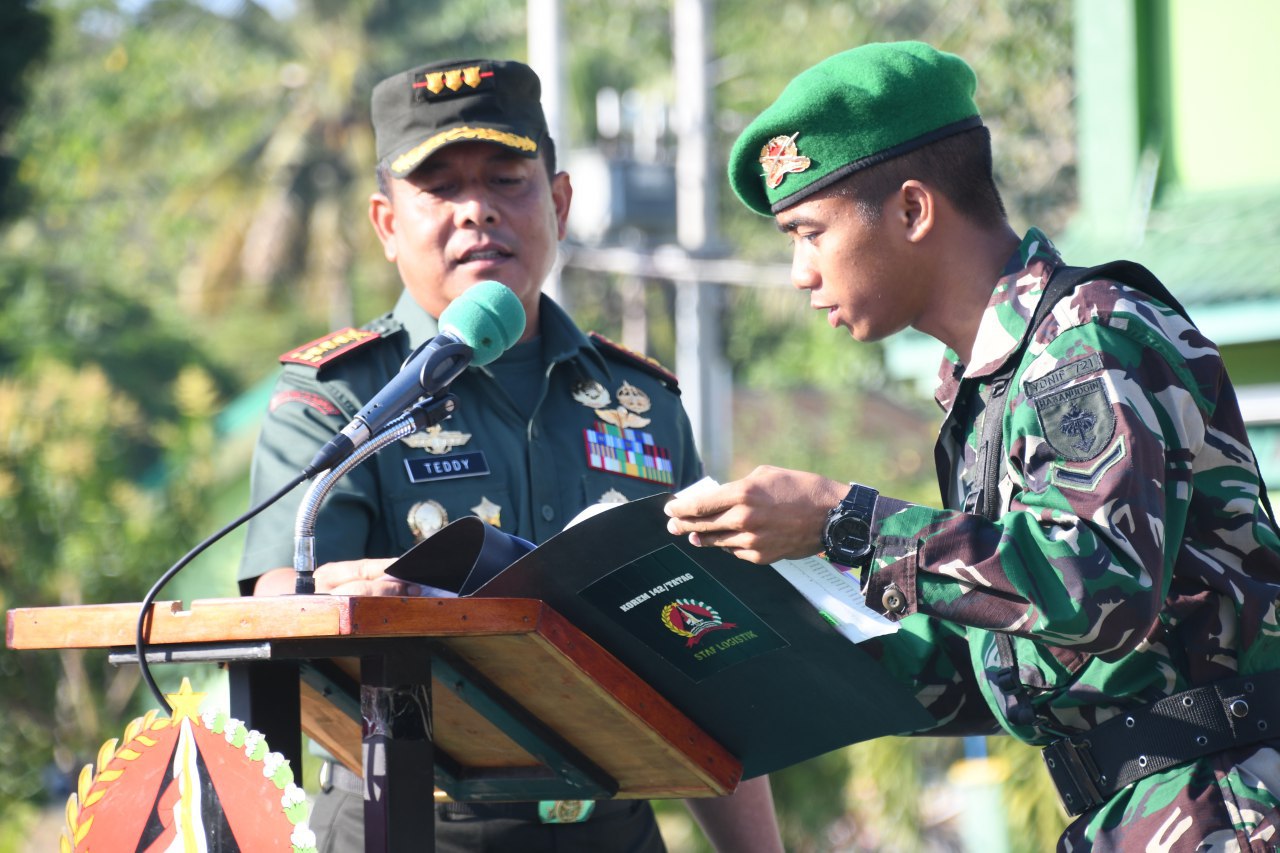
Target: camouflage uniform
[(1131, 558), (528, 476)]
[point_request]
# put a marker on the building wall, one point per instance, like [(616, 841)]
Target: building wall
[(1223, 72)]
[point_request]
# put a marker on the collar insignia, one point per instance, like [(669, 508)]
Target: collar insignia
[(779, 157)]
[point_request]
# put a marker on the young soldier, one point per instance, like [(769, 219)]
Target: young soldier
[(468, 192), (1103, 580)]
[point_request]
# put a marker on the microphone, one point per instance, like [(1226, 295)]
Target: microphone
[(475, 328)]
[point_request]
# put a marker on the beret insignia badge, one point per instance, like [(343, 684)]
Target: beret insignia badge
[(779, 157)]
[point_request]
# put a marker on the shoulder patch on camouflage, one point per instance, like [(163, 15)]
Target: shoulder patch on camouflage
[(1087, 478), (1078, 422), (323, 350), (1090, 363), (612, 349)]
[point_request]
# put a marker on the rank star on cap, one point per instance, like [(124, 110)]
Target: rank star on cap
[(780, 156)]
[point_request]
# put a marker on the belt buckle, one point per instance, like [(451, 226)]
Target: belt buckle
[(1073, 773), (565, 811)]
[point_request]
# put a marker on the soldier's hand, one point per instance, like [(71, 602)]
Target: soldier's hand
[(770, 514)]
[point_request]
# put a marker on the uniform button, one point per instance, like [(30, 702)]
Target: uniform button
[(893, 600), (547, 512)]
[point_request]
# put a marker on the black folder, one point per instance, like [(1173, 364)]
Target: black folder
[(731, 644)]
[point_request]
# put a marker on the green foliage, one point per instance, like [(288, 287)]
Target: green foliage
[(1035, 819), (24, 40), (775, 340), (1020, 49), (81, 524), (811, 798)]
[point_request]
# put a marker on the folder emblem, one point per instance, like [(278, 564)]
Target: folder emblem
[(693, 620)]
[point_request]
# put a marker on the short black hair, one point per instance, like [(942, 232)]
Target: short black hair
[(548, 156), (958, 166)]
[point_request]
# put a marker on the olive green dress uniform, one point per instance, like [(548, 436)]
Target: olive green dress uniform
[(526, 475), (605, 425)]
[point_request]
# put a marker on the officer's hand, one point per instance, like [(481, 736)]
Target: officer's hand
[(362, 577), (347, 577), (770, 514)]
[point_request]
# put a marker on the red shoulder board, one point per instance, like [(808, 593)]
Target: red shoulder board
[(324, 350), (632, 357)]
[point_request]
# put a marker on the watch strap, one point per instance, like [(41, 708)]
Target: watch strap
[(861, 500)]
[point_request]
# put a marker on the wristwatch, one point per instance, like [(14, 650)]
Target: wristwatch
[(847, 535)]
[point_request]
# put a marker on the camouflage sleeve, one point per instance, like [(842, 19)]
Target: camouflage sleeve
[(1101, 429)]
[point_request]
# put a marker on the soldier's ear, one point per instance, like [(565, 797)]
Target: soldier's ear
[(382, 214), (915, 208), (561, 196)]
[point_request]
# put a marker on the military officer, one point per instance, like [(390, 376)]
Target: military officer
[(468, 192), (1103, 579)]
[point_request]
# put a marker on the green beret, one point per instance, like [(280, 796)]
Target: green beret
[(850, 111), (417, 112)]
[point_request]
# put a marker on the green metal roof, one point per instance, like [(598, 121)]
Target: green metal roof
[(1208, 247)]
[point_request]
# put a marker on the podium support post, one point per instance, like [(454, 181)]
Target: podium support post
[(398, 753)]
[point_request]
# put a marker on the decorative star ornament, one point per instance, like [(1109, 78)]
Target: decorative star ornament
[(185, 703)]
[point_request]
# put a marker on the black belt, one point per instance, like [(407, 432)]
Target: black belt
[(1089, 767)]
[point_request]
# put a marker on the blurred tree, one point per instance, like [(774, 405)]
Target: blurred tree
[(24, 41), (104, 472)]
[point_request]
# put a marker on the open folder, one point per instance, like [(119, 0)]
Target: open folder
[(733, 645)]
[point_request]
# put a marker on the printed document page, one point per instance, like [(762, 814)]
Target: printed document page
[(835, 594)]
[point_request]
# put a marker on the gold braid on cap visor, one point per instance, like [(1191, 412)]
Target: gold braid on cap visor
[(422, 150)]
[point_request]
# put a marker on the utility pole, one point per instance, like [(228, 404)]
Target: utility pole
[(704, 373), (545, 39)]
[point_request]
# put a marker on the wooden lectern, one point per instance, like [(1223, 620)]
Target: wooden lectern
[(489, 699)]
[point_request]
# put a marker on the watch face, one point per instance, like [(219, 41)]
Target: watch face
[(849, 532), (850, 537)]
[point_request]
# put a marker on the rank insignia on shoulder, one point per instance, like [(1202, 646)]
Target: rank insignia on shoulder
[(630, 356), (323, 350)]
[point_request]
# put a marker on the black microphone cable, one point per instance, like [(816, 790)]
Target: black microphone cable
[(179, 566)]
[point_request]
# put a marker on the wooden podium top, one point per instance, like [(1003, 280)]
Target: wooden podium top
[(521, 648)]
